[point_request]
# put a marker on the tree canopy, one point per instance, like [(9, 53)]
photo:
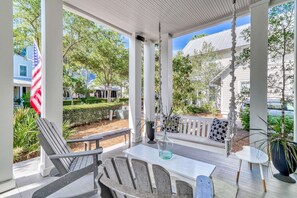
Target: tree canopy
[(86, 45)]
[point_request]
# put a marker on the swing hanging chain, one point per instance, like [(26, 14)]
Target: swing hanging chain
[(232, 129), (160, 106)]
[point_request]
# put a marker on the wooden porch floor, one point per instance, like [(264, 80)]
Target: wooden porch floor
[(250, 185)]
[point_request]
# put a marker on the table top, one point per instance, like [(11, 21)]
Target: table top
[(253, 155), (179, 165)]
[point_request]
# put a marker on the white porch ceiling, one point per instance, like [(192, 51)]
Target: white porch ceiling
[(177, 17)]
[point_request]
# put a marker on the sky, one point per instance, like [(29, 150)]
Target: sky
[(180, 42)]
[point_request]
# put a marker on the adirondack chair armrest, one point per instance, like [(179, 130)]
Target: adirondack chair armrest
[(77, 154), (88, 139)]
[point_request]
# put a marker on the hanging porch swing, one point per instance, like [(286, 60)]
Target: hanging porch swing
[(195, 131)]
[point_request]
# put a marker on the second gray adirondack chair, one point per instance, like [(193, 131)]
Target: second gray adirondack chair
[(69, 166), (119, 180)]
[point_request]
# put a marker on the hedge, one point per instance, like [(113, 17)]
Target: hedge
[(69, 102), (96, 100), (124, 100), (86, 114)]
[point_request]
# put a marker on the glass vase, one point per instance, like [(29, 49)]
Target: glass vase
[(165, 146)]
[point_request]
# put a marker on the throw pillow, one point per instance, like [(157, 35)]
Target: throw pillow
[(218, 130)]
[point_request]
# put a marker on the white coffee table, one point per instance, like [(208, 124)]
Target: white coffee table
[(179, 165), (253, 156)]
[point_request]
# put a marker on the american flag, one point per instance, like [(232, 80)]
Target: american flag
[(35, 98)]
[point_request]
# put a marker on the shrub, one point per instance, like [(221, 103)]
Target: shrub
[(245, 118), (124, 100), (274, 121), (25, 130), (96, 100), (205, 108), (25, 140), (194, 109), (26, 104), (86, 114)]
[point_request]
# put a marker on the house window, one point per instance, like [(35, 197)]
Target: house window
[(244, 87), (23, 71)]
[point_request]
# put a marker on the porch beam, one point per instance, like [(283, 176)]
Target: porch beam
[(258, 68), (135, 63), (149, 81), (6, 99), (167, 75), (52, 69)]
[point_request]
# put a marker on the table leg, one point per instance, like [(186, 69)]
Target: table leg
[(130, 139), (262, 176), (251, 166), (238, 172)]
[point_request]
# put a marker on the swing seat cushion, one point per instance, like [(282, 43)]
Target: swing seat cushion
[(194, 139), (218, 130)]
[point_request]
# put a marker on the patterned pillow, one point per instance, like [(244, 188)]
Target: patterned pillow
[(174, 123), (218, 130)]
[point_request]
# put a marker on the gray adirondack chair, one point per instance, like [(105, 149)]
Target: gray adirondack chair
[(119, 180), (69, 166)]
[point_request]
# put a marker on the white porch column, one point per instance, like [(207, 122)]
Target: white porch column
[(52, 69), (6, 99), (295, 72), (149, 81), (166, 61), (21, 91), (135, 61), (258, 68)]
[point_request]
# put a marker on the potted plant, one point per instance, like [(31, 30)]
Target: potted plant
[(281, 148)]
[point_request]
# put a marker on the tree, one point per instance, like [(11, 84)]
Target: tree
[(106, 56), (26, 23), (280, 45), (182, 85), (84, 43), (205, 68), (198, 36)]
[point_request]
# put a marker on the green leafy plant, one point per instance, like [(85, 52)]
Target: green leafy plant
[(25, 130), (25, 139), (277, 136), (245, 118)]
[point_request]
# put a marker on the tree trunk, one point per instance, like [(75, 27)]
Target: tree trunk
[(108, 93), (283, 85)]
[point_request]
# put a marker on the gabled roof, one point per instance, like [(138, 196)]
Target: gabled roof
[(220, 41)]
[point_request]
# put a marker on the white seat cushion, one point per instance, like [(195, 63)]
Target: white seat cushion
[(192, 138)]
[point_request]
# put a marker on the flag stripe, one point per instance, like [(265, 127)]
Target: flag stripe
[(35, 96)]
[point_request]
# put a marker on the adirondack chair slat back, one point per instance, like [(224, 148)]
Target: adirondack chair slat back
[(142, 176), (125, 180), (111, 173), (124, 171), (55, 143), (162, 179)]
